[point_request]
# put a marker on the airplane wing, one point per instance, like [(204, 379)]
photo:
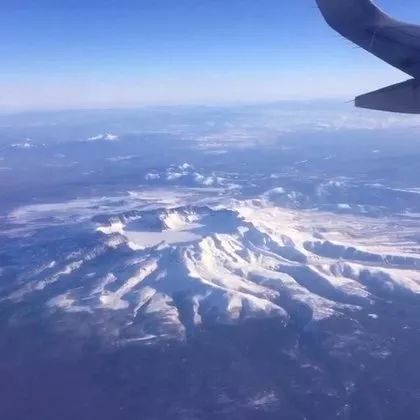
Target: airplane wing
[(363, 23), (397, 43)]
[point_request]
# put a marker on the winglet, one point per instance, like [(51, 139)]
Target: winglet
[(347, 16)]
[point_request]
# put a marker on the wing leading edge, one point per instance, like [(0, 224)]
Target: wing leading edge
[(397, 43)]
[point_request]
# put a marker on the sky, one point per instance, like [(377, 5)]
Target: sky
[(127, 53)]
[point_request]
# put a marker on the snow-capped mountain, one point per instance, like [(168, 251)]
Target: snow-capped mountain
[(104, 137), (156, 266)]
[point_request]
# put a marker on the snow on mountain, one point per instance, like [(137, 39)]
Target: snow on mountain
[(164, 265), (25, 144), (187, 173), (104, 137)]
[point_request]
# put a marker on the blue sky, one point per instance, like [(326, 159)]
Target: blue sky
[(92, 53)]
